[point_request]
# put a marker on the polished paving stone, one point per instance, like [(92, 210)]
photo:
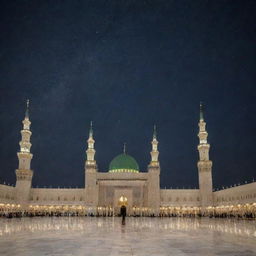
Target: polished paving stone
[(91, 236)]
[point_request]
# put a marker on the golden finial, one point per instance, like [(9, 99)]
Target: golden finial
[(201, 111), (91, 130), (27, 109), (154, 133), (124, 148)]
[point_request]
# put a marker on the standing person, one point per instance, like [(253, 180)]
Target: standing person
[(123, 213)]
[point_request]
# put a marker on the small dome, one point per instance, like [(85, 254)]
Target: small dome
[(123, 163)]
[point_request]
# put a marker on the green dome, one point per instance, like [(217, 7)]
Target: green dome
[(123, 163)]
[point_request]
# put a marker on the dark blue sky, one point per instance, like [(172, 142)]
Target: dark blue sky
[(126, 65)]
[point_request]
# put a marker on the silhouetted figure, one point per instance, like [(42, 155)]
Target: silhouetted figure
[(123, 214)]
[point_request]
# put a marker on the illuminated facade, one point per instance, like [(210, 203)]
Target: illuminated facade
[(124, 184)]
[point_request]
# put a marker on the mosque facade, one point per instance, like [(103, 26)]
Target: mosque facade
[(105, 192)]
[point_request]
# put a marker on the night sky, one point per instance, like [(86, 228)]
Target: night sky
[(128, 65)]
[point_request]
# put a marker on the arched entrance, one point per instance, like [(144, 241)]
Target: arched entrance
[(122, 202)]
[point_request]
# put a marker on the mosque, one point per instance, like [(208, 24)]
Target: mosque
[(105, 192)]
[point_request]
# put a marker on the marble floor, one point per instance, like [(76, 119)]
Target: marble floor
[(91, 236)]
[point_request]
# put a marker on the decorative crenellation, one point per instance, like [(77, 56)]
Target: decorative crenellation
[(24, 175), (205, 166)]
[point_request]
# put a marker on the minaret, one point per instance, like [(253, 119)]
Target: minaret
[(204, 165), (154, 178), (24, 174), (91, 174)]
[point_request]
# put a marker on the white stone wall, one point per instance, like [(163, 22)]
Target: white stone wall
[(242, 194), (7, 194), (57, 196), (180, 197)]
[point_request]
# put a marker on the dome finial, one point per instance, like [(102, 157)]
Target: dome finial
[(27, 109), (201, 111), (154, 132), (91, 130), (124, 148)]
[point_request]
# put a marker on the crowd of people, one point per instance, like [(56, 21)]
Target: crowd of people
[(211, 215), (246, 215)]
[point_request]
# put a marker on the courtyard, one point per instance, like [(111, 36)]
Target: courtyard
[(91, 236)]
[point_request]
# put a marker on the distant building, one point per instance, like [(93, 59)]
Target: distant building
[(124, 184)]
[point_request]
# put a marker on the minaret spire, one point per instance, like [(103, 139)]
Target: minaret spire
[(91, 130), (90, 152), (27, 110), (154, 152), (201, 111), (202, 131), (25, 144), (154, 133)]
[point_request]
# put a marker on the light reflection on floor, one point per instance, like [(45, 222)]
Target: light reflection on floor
[(140, 236)]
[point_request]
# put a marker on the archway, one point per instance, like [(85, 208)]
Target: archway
[(122, 202)]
